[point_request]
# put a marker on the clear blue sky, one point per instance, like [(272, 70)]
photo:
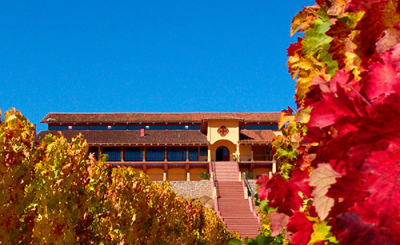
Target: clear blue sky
[(145, 56)]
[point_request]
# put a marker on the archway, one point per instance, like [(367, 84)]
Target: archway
[(222, 154)]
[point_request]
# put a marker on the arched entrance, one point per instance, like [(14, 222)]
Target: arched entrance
[(222, 154)]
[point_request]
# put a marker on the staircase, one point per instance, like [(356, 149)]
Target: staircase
[(233, 207)]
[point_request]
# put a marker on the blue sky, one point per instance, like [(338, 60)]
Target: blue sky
[(145, 56)]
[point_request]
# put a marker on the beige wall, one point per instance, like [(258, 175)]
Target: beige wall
[(213, 135), (155, 174), (195, 173), (245, 152), (258, 171), (175, 174)]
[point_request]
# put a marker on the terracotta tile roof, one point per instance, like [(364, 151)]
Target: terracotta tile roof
[(256, 136), (132, 137), (156, 117)]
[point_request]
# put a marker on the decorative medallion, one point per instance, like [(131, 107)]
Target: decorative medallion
[(223, 131)]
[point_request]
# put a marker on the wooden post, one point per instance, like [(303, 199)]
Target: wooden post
[(98, 153), (144, 154), (187, 168), (252, 154)]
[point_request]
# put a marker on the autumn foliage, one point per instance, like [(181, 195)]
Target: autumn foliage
[(54, 193), (340, 152)]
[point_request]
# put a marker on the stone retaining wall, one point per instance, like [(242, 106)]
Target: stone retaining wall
[(253, 184), (193, 189)]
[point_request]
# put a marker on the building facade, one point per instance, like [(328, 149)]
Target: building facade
[(174, 146)]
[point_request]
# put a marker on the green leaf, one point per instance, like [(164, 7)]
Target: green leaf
[(235, 242), (322, 233)]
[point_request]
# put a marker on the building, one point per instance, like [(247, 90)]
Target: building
[(174, 146)]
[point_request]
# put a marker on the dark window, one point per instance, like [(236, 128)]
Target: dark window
[(118, 127), (262, 127), (135, 127), (155, 154), (133, 154), (79, 127), (203, 151), (98, 127), (176, 127), (183, 127), (156, 127), (176, 153), (58, 127), (95, 151), (114, 153), (193, 153), (242, 127)]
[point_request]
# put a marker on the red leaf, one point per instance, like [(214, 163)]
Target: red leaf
[(383, 77), (283, 194), (262, 186), (295, 47), (301, 227)]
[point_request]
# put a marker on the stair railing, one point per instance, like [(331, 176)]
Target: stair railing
[(214, 187), (249, 190)]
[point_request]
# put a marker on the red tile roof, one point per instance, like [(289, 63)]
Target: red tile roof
[(132, 137), (256, 136), (272, 117)]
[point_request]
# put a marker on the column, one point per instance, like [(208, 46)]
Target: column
[(252, 154)]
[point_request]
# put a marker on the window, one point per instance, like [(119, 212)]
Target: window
[(262, 127), (53, 127), (133, 154), (95, 151), (135, 127), (176, 127), (98, 127), (79, 127), (118, 127), (176, 153), (156, 127), (183, 127), (203, 151), (155, 154), (193, 153), (114, 153)]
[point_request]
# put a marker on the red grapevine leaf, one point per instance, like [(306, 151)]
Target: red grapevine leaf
[(383, 77), (301, 227), (262, 186), (283, 194), (295, 47), (278, 222)]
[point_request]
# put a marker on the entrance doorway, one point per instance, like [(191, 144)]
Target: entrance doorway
[(222, 154)]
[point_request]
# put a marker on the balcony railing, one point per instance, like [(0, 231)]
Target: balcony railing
[(256, 157)]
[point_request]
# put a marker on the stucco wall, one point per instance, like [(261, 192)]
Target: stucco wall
[(213, 135)]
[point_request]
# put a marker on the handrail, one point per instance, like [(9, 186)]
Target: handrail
[(214, 188), (246, 181), (248, 188)]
